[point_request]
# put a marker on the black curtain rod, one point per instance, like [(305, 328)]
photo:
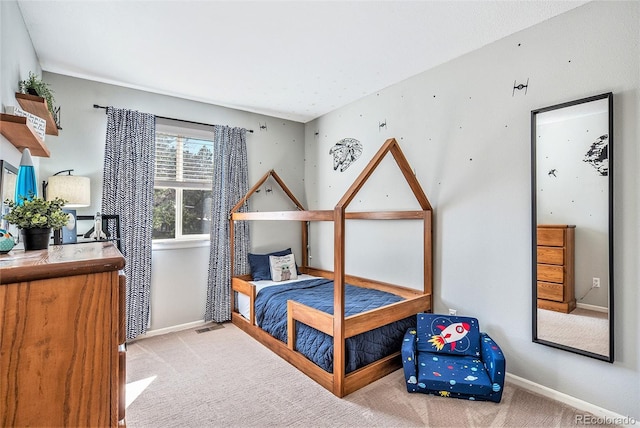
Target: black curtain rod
[(171, 118)]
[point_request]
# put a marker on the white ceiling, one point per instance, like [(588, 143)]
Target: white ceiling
[(291, 59)]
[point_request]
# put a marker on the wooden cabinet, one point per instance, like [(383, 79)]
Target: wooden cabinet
[(555, 267), (61, 324)]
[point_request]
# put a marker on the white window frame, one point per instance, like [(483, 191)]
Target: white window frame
[(200, 132)]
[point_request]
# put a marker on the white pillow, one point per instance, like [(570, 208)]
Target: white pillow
[(283, 268)]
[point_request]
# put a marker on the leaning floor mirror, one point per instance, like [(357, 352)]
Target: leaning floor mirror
[(572, 225), (8, 177)]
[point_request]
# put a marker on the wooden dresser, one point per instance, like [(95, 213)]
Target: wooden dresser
[(555, 267), (61, 324)]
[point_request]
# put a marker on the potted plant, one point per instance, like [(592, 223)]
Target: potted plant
[(35, 218), (35, 86)]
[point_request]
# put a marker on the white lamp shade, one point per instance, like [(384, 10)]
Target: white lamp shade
[(75, 190)]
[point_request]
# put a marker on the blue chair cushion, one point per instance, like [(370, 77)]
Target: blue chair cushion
[(453, 374), (445, 334)]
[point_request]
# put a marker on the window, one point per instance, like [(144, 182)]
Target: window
[(183, 180)]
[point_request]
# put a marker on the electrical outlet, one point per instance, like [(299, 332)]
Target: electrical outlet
[(452, 312), (596, 283)]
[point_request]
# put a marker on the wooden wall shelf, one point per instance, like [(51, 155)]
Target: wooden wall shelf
[(20, 134), (38, 106)]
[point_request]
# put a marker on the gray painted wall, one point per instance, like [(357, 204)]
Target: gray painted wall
[(17, 59), (179, 273), (468, 137)]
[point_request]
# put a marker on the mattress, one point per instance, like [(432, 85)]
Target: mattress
[(242, 300)]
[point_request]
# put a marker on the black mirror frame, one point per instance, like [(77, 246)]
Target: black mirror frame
[(608, 358)]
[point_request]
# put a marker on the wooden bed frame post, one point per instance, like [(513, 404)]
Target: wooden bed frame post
[(428, 255), (232, 225), (338, 302), (305, 243)]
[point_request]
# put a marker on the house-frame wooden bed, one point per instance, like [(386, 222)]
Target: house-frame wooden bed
[(339, 326)]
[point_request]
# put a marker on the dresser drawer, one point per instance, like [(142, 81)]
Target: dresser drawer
[(551, 255), (550, 291), (550, 273), (550, 237)]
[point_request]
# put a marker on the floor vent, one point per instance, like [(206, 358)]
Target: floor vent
[(209, 328)]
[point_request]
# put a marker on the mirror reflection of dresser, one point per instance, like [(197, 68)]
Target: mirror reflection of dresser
[(555, 267), (572, 226)]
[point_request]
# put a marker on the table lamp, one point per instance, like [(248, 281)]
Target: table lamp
[(76, 191)]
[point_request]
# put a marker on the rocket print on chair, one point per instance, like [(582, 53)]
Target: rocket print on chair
[(450, 334)]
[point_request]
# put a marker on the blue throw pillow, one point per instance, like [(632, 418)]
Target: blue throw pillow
[(259, 264)]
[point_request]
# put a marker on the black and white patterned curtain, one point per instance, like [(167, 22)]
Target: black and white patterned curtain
[(127, 190), (230, 184)]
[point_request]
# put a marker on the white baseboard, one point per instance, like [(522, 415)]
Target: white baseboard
[(592, 307), (180, 327), (606, 416)]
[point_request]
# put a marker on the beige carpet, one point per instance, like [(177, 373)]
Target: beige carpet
[(224, 378), (581, 329)]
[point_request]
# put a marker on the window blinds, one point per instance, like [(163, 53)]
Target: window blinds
[(183, 161)]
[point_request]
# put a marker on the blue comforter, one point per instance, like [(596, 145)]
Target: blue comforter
[(365, 348)]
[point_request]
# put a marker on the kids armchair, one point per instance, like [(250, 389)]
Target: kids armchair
[(449, 356)]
